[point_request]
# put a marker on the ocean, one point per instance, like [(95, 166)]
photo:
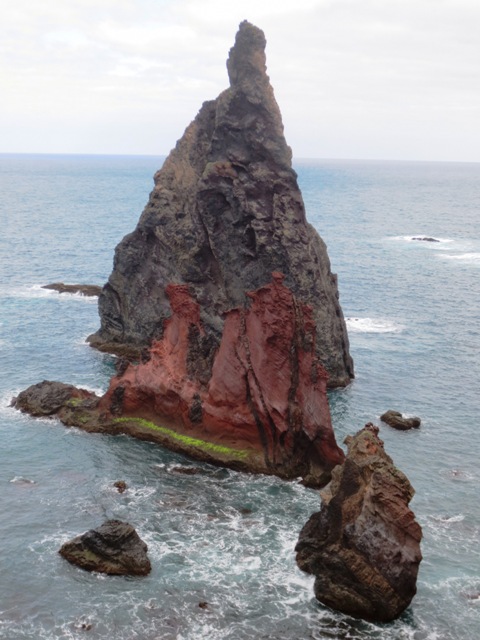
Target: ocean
[(221, 537)]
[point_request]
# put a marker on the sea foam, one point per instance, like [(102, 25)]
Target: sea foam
[(373, 325)]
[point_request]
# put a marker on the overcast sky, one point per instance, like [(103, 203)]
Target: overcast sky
[(386, 79)]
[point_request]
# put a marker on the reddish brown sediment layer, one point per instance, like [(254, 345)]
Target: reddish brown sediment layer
[(266, 393)]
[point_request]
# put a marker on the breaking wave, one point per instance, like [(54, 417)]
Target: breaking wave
[(373, 325)]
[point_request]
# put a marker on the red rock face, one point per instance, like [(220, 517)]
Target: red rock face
[(266, 392)]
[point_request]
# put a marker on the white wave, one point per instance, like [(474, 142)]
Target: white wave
[(469, 258), (449, 519), (21, 480), (99, 391), (6, 400), (37, 291), (419, 239), (82, 341), (373, 325)]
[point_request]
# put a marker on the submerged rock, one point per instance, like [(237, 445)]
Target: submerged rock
[(364, 544), (120, 486), (425, 239), (396, 420), (226, 211), (113, 548)]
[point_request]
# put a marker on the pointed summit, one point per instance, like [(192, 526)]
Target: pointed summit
[(246, 62)]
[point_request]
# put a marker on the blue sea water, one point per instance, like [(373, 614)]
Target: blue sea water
[(222, 537)]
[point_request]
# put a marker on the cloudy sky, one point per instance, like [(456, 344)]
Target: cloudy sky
[(381, 79)]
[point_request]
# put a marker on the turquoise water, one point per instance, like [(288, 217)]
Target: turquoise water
[(218, 536)]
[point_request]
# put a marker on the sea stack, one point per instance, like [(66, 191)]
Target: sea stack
[(363, 546), (225, 212), (224, 293)]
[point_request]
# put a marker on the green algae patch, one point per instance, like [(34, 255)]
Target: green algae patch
[(73, 402), (207, 447)]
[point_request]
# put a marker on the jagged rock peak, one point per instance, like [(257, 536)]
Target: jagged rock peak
[(247, 60), (225, 213)]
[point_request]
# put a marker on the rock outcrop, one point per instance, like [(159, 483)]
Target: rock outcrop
[(226, 211), (91, 290), (113, 548), (396, 420), (364, 544), (263, 392), (51, 398), (258, 403)]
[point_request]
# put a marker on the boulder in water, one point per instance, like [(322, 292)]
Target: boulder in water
[(396, 420), (113, 548), (83, 289), (49, 398)]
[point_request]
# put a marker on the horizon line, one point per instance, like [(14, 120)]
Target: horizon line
[(294, 159)]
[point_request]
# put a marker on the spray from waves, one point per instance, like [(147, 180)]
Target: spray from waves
[(373, 325), (449, 519), (464, 250)]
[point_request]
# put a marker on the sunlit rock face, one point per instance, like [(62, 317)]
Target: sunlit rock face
[(225, 212)]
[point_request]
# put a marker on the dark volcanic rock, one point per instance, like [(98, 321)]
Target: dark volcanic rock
[(47, 398), (425, 239), (364, 544), (120, 486), (397, 421), (83, 289), (226, 211), (114, 548)]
